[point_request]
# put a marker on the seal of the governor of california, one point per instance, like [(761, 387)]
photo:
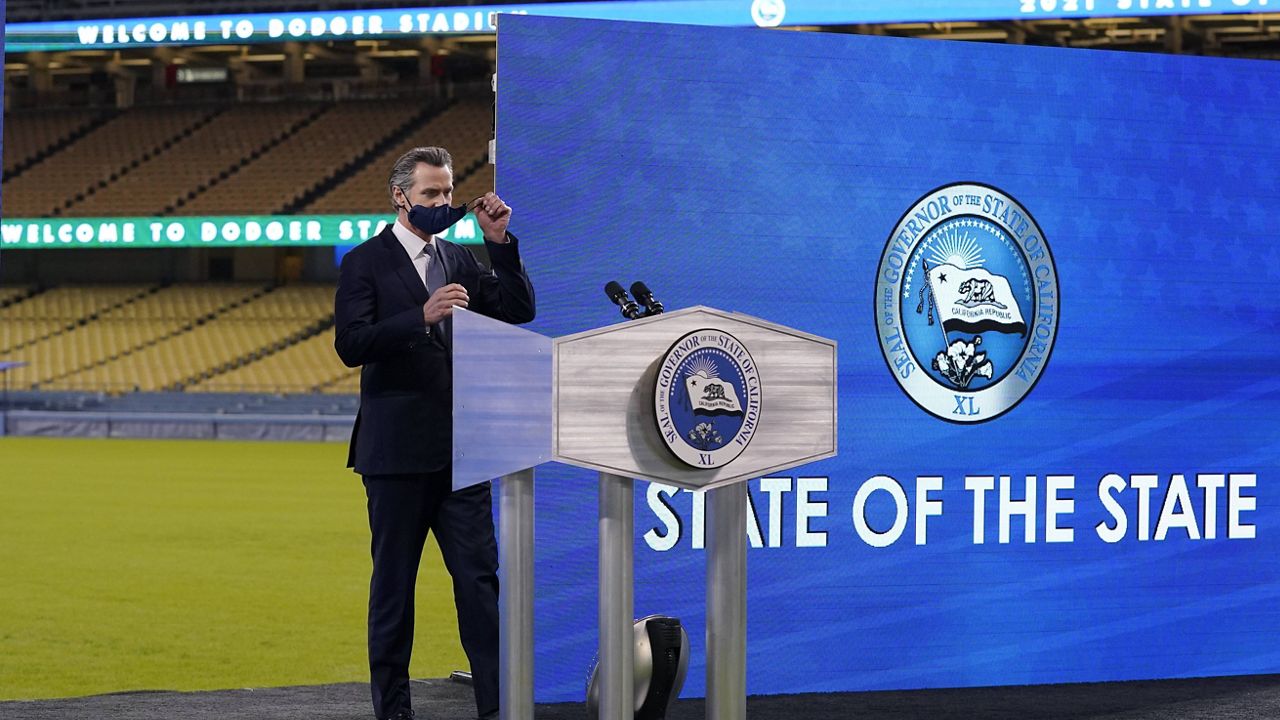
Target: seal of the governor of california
[(707, 398), (966, 302)]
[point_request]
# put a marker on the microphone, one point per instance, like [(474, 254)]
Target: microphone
[(619, 297), (646, 298)]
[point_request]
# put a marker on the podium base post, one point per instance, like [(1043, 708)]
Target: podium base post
[(727, 603), (515, 595), (617, 598)]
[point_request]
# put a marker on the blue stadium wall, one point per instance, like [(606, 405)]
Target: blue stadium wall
[(773, 173)]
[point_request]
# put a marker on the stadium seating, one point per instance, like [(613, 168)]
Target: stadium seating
[(99, 158), (478, 181), (279, 372), (247, 159), (209, 156), (28, 135), (185, 402), (208, 159), (10, 294), (464, 129), (304, 159), (121, 320), (345, 384), (43, 316), (136, 338)]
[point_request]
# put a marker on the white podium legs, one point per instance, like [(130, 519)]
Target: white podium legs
[(727, 603), (617, 598), (515, 595)]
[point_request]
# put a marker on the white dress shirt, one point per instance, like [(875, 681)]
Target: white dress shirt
[(416, 249)]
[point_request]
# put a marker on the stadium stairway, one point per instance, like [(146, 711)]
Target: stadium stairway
[(229, 172), (399, 135), (58, 145), (133, 164)]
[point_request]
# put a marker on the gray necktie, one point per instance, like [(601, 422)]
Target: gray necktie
[(435, 281)]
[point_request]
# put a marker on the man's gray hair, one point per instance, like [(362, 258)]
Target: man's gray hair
[(402, 171)]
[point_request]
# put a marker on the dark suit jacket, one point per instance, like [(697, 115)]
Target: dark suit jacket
[(405, 422)]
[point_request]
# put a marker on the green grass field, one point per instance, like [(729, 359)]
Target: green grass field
[(134, 564)]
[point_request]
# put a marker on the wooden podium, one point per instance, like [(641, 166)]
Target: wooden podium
[(605, 400)]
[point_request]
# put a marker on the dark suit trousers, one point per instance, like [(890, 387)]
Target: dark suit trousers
[(402, 510)]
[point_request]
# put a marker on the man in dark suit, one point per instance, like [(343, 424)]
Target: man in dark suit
[(396, 292)]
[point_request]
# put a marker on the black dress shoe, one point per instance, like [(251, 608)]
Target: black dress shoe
[(402, 715), (490, 715)]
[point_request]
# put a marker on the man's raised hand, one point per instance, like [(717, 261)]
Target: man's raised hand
[(494, 216)]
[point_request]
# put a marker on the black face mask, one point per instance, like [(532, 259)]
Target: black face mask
[(435, 220)]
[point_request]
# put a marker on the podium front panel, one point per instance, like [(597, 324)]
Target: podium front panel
[(501, 398), (604, 398)]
